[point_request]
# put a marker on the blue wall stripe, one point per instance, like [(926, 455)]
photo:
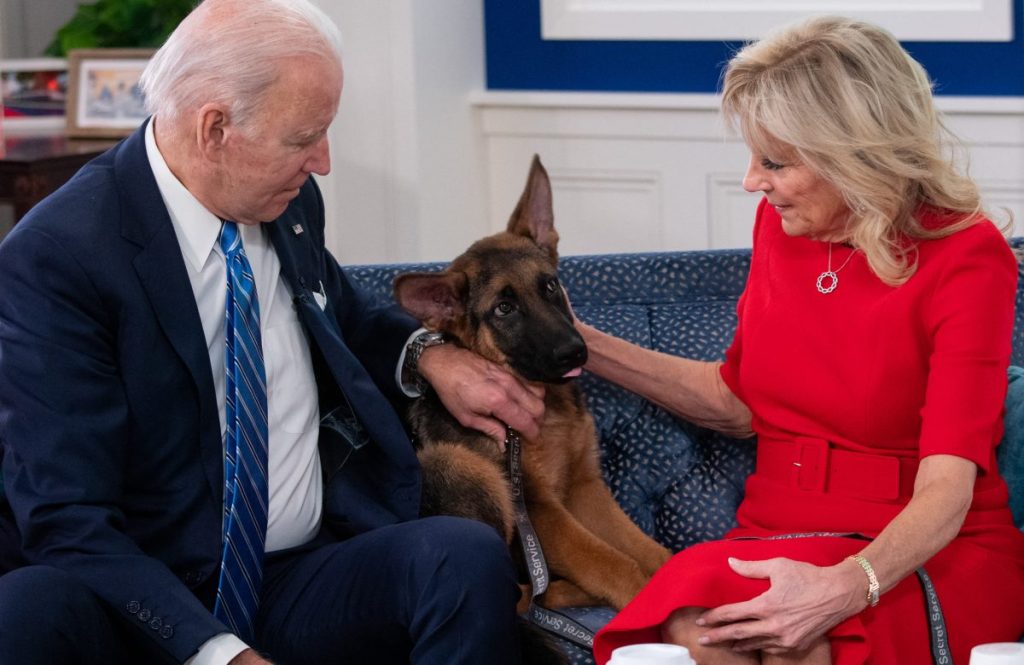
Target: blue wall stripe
[(518, 59)]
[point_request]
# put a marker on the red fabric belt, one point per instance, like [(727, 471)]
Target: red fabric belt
[(815, 465)]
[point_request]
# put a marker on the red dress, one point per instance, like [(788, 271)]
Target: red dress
[(857, 385)]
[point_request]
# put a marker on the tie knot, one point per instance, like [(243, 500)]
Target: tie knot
[(230, 239)]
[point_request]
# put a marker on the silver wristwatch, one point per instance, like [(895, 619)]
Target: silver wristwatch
[(415, 349)]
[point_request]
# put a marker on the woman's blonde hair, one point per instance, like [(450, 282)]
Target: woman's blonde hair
[(857, 109)]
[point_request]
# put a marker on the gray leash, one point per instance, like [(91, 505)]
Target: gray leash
[(941, 654), (550, 620)]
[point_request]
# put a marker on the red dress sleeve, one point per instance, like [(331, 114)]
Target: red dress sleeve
[(970, 319), (730, 369)]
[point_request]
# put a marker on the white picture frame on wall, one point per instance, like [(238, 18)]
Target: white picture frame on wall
[(743, 20), (104, 99)]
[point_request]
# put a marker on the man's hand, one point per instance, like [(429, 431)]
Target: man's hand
[(803, 603), (481, 394), (249, 657)]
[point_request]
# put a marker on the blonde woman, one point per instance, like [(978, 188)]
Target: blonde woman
[(870, 360)]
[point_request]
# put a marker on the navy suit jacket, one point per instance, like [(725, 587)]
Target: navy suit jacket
[(112, 449)]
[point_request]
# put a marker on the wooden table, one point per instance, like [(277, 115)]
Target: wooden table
[(33, 166)]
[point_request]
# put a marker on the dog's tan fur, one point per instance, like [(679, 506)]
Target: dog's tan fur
[(595, 553)]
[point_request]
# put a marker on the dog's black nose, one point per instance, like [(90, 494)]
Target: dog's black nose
[(571, 353)]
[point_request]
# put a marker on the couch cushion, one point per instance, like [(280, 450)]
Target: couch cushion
[(1010, 453), (1018, 329), (679, 483)]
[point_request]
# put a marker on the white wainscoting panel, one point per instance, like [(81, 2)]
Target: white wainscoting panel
[(620, 208), (1004, 200), (729, 201), (993, 133), (637, 172)]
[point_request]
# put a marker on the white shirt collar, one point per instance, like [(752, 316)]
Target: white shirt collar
[(196, 227)]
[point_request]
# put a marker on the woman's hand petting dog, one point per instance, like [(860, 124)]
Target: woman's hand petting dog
[(481, 394)]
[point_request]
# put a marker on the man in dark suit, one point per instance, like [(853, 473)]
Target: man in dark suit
[(113, 391)]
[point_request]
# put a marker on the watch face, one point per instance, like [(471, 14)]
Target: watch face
[(427, 340), (422, 342)]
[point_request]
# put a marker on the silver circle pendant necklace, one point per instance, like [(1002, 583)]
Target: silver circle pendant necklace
[(829, 280)]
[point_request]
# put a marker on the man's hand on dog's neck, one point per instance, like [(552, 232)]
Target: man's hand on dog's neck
[(481, 394)]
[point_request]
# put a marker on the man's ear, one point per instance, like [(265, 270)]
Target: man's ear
[(212, 130)]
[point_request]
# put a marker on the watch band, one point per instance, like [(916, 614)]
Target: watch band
[(413, 351)]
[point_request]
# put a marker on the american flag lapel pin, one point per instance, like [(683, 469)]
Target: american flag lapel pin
[(297, 229)]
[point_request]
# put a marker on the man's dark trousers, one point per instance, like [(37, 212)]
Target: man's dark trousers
[(429, 592)]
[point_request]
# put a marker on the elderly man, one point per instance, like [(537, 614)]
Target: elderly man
[(200, 451)]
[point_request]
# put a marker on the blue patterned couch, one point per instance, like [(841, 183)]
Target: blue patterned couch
[(680, 483)]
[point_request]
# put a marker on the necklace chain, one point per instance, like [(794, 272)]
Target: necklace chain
[(829, 280)]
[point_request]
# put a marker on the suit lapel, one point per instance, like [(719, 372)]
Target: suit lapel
[(162, 274), (370, 406)]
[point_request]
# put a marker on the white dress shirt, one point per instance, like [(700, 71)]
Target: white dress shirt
[(295, 485)]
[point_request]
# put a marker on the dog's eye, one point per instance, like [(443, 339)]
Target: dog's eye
[(551, 286), (504, 308)]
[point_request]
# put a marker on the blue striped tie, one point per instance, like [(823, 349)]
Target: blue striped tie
[(245, 446)]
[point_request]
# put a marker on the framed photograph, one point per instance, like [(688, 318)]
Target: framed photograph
[(33, 93), (103, 98)]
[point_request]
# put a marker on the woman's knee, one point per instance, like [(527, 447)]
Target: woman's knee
[(681, 626), (818, 653)]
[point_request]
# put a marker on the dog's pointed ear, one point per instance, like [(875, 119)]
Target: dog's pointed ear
[(534, 215), (435, 298)]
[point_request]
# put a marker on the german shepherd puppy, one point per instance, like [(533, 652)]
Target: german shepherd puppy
[(502, 299)]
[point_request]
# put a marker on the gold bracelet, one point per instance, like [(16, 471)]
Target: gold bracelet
[(873, 586)]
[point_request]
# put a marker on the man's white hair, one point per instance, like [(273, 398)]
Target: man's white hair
[(229, 51)]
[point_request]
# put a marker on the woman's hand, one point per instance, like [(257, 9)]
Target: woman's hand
[(803, 603)]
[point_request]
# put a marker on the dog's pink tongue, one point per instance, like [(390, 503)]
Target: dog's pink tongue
[(573, 372)]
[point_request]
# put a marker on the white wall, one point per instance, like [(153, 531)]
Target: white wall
[(28, 26), (406, 181)]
